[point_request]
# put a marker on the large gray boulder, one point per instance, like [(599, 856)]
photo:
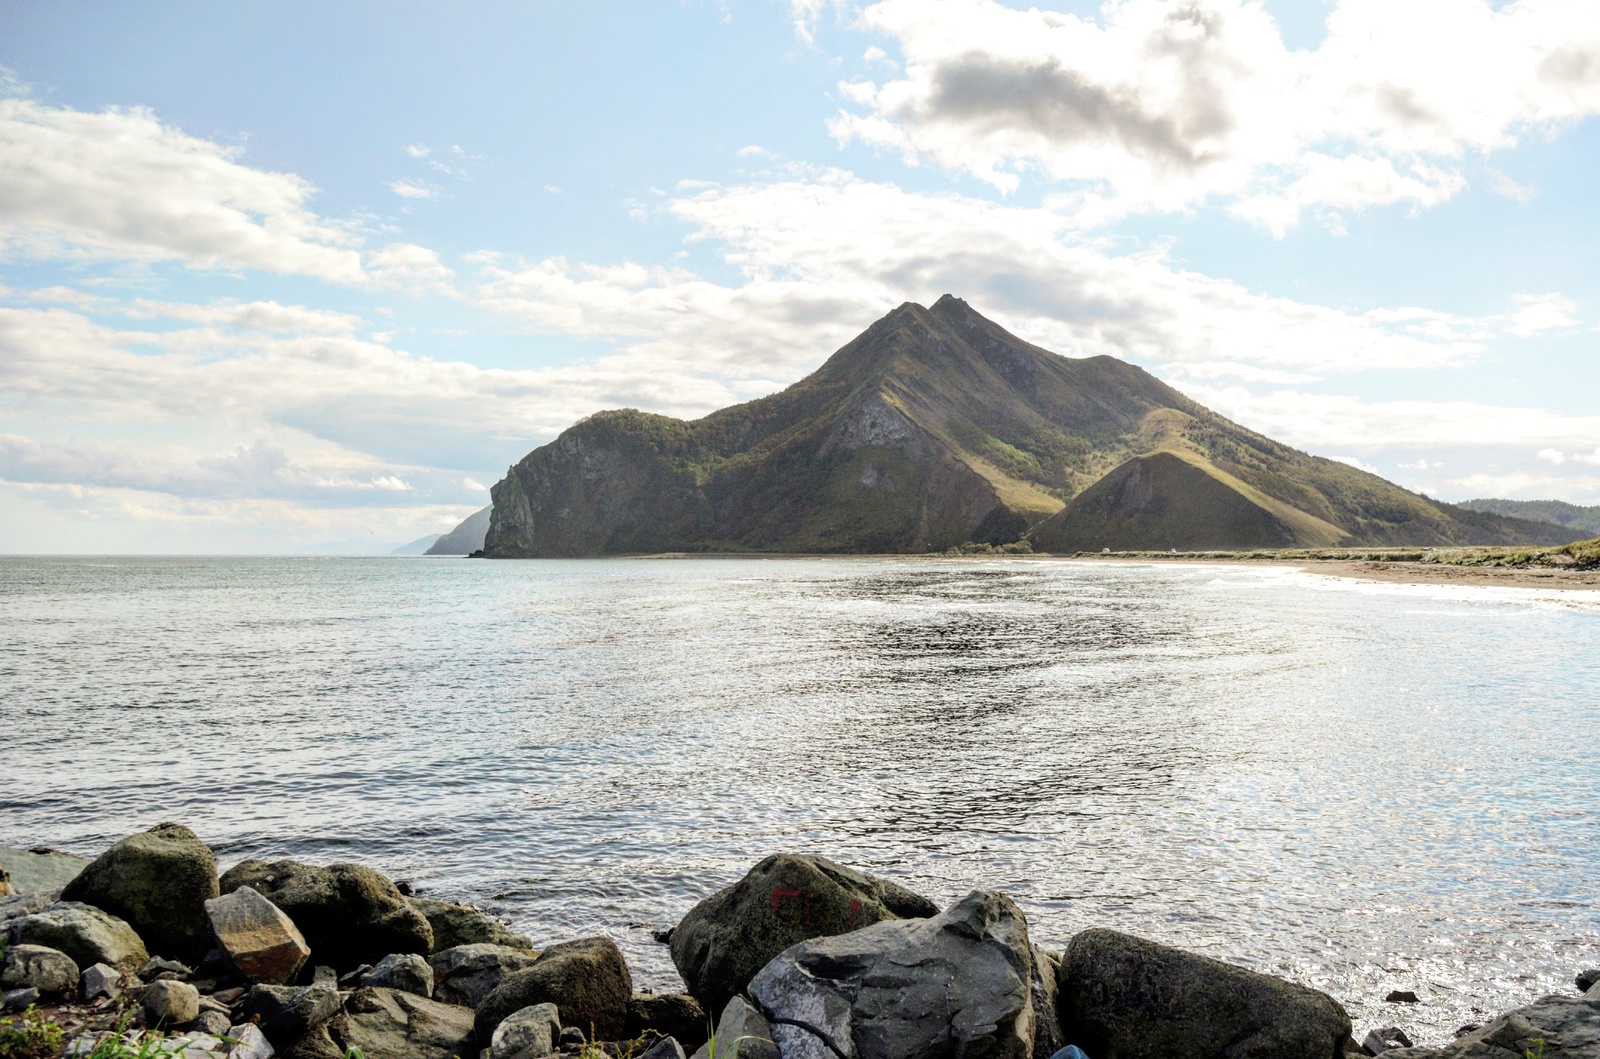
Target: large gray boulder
[(455, 924), (959, 984), (405, 971), (587, 980), (159, 882), (531, 1033), (84, 933), (39, 870), (45, 969), (467, 974), (350, 915), (168, 1004), (1124, 997), (784, 900), (1555, 1027), (391, 1024), (263, 943), (742, 1033)]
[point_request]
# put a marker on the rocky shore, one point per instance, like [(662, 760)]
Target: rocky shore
[(147, 951)]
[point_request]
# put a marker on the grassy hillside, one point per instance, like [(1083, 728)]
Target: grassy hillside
[(1556, 512), (933, 428)]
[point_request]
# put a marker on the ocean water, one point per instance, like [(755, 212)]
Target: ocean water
[(1359, 787)]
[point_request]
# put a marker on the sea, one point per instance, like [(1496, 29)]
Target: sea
[(1361, 787)]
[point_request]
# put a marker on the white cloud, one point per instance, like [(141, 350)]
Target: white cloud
[(1159, 104), (120, 184), (414, 189), (1353, 462), (1538, 314), (411, 268)]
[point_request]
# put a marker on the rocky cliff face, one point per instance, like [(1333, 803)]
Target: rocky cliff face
[(936, 427)]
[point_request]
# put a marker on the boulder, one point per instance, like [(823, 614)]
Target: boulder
[(1125, 997), (45, 969), (249, 1042), (742, 1033), (455, 925), (957, 984), (1587, 979), (159, 882), (784, 900), (156, 969), (468, 973), (527, 1034), (406, 972), (348, 914), (39, 870), (215, 1023), (101, 980), (587, 980), (390, 1024), (84, 933), (1384, 1039), (19, 905), (1556, 1027), (19, 999), (168, 1004), (664, 1048), (287, 1013), (676, 1015), (1046, 989), (262, 942)]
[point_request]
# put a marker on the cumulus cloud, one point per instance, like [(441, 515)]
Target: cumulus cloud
[(414, 189), (825, 253), (1160, 104), (121, 184)]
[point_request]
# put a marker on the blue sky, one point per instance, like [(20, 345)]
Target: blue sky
[(274, 275)]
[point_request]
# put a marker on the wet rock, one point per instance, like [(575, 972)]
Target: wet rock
[(213, 1022), (467, 974), (1556, 1027), (39, 870), (407, 972), (45, 969), (158, 881), (455, 924), (288, 1013), (742, 1032), (259, 939), (18, 999), (1587, 979), (170, 1004), (1046, 990), (527, 1034), (1401, 996), (83, 932), (1123, 996), (249, 1042), (901, 989), (156, 969), (665, 1048), (388, 1022), (101, 980), (586, 979), (676, 1015), (347, 913), (1385, 1039), (786, 899), (572, 1038)]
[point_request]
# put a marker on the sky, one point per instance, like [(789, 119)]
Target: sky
[(279, 275)]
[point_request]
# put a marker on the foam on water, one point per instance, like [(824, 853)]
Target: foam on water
[(1362, 787)]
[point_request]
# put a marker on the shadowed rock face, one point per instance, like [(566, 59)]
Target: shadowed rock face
[(785, 899), (936, 427), (586, 979), (1123, 997)]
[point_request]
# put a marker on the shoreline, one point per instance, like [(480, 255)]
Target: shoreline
[(1394, 572)]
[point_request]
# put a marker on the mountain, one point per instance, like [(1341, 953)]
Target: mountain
[(466, 538), (936, 427), (1557, 512), (419, 546)]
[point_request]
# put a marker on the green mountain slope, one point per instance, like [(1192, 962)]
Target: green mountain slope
[(466, 538), (932, 428), (1557, 512)]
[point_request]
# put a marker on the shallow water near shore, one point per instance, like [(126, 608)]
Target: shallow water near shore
[(1361, 790)]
